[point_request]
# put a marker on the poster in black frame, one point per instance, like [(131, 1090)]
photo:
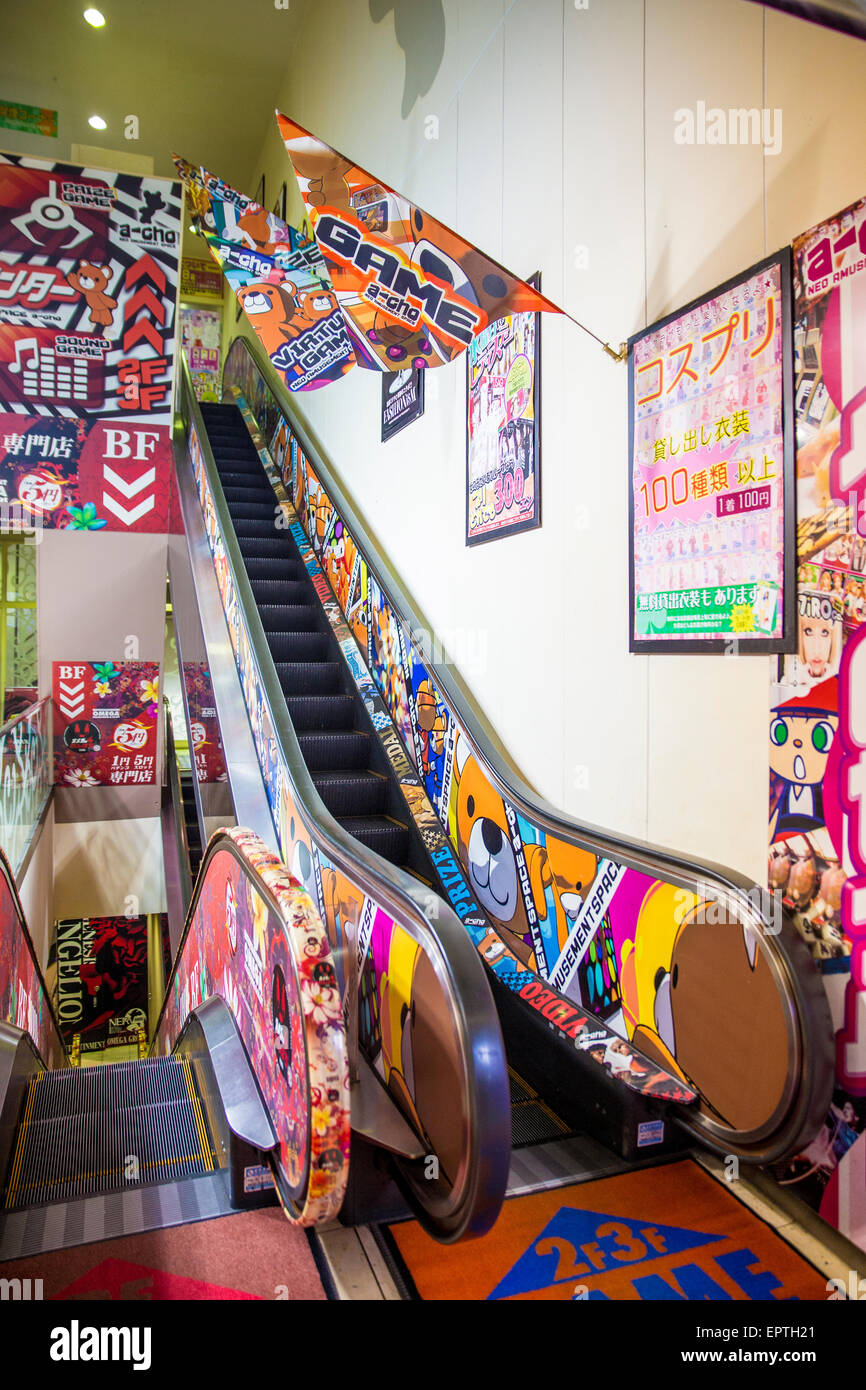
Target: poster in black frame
[(744, 325), (402, 400), (517, 446)]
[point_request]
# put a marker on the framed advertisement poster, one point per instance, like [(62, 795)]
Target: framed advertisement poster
[(402, 400), (711, 471), (503, 417)]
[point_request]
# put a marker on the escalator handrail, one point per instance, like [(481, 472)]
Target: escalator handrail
[(438, 930)]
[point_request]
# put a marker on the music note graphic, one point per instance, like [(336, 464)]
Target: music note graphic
[(21, 345)]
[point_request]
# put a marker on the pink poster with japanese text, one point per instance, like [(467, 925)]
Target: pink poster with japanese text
[(711, 458)]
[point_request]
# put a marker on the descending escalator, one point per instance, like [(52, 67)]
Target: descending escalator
[(100, 1129)]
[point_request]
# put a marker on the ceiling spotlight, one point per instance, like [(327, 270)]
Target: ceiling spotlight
[(98, 123), (94, 17)]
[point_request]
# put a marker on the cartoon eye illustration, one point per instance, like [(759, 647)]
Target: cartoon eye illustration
[(779, 732), (822, 736)]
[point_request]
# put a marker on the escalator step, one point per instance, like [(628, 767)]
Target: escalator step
[(335, 751), (263, 495), (256, 528), (296, 617), (278, 567), (251, 511), (285, 591), (352, 793), (321, 711), (386, 837), (245, 478), (270, 546), (298, 646), (309, 677)]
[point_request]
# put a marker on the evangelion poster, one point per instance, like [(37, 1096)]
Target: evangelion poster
[(502, 428), (105, 723), (711, 471), (88, 282), (817, 723), (101, 992)]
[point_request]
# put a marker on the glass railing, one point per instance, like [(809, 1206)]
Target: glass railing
[(25, 780)]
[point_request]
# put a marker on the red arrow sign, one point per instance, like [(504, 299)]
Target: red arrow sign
[(142, 328), (149, 267), (145, 298)]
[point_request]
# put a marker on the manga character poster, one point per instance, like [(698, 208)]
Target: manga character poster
[(711, 505), (105, 723), (101, 971), (503, 462), (200, 336), (817, 730)]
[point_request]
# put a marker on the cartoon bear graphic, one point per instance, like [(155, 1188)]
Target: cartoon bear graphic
[(91, 281)]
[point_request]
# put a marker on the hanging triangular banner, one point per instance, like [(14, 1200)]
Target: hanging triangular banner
[(278, 278), (413, 292)]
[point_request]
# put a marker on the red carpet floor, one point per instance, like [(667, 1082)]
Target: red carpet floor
[(251, 1255)]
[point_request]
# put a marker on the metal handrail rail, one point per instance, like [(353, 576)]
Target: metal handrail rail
[(753, 903), (438, 931)]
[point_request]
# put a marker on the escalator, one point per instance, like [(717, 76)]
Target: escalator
[(636, 988), (227, 1087)]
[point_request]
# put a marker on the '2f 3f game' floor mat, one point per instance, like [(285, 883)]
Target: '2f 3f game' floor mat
[(670, 1232)]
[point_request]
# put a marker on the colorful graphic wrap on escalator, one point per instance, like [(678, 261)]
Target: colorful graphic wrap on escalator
[(272, 272), (567, 928), (340, 903), (413, 292), (275, 972), (817, 842), (23, 999)]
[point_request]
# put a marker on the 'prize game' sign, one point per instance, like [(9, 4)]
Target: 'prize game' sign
[(711, 458)]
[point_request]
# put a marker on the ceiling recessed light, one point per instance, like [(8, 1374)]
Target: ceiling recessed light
[(98, 123), (94, 17)]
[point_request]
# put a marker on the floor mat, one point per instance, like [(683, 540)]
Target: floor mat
[(669, 1232), (250, 1255)]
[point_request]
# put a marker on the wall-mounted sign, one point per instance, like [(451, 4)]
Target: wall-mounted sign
[(88, 274), (101, 992), (200, 279), (711, 449), (36, 120), (105, 722), (200, 335), (503, 416), (402, 400)]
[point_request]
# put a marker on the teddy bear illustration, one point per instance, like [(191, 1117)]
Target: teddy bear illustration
[(91, 281)]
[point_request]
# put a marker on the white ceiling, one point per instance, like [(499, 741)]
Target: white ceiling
[(201, 75)]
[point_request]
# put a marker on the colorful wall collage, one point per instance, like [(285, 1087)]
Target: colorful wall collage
[(578, 937), (88, 284), (817, 857), (270, 962)]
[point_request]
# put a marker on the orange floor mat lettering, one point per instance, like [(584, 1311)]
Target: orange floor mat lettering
[(671, 1233)]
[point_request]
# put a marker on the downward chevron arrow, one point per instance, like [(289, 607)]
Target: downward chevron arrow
[(128, 489), (145, 298), (130, 517), (149, 267), (142, 328)]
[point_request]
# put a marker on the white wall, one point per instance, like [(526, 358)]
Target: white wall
[(556, 133)]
